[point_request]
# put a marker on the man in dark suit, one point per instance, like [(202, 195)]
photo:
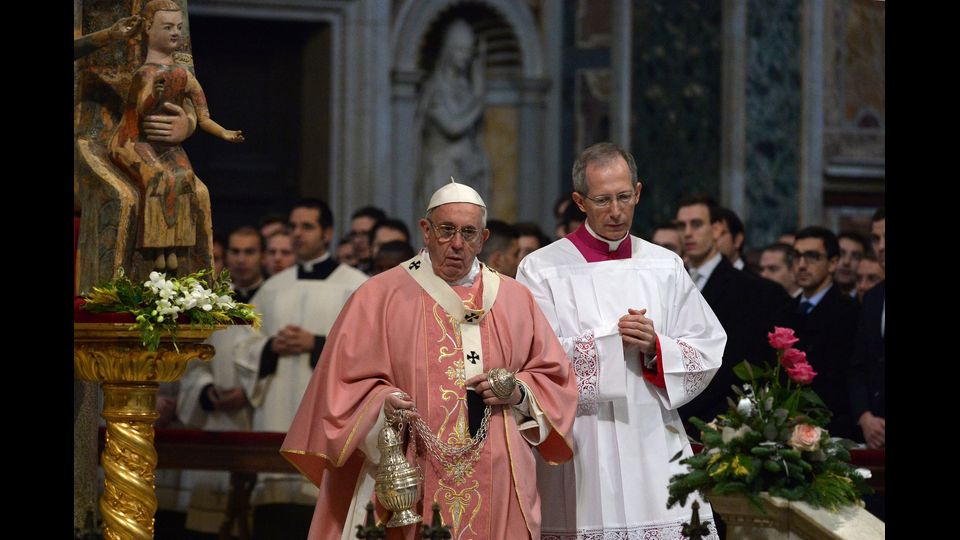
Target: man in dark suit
[(744, 303), (868, 395), (732, 236), (825, 320)]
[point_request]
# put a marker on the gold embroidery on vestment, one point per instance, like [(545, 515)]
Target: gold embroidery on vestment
[(457, 503)]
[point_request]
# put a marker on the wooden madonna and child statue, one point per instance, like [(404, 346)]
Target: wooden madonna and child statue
[(161, 171), (139, 206), (167, 226)]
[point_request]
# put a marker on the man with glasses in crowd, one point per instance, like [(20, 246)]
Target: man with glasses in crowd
[(825, 321), (432, 337), (642, 341)]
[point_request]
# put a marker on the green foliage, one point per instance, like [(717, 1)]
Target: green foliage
[(157, 304)]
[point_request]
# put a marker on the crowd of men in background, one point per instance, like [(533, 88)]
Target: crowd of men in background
[(827, 286)]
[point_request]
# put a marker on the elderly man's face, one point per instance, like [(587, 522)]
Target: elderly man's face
[(609, 182), (453, 257)]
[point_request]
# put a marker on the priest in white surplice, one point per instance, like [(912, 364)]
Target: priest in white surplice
[(642, 341), (299, 306)]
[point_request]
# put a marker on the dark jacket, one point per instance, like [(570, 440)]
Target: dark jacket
[(827, 336), (867, 382), (745, 305)]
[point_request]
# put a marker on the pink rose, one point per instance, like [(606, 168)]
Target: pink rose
[(782, 338), (805, 437), (792, 357), (801, 372)]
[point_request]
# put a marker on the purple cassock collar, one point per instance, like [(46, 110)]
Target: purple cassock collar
[(594, 250)]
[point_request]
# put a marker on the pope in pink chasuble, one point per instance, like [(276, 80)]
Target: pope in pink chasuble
[(428, 334)]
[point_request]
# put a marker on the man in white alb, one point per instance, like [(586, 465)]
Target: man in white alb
[(642, 340), (299, 306)]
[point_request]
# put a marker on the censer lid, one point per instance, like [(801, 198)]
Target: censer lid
[(388, 437)]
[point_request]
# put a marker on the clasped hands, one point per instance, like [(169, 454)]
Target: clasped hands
[(637, 332), (292, 339), (227, 400)]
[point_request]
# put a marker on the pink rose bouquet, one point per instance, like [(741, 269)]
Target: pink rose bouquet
[(772, 439)]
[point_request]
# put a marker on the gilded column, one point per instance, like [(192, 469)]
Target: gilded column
[(129, 375)]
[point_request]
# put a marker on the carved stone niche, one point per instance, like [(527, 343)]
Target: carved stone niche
[(109, 201), (514, 92)]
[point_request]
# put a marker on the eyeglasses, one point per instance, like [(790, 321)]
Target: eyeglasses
[(810, 256), (604, 201), (446, 232)]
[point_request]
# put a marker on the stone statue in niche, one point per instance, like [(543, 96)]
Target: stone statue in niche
[(449, 117), (161, 171)]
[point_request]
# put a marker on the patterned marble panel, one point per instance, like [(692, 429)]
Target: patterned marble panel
[(773, 118), (675, 103)]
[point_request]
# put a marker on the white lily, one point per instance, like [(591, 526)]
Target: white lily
[(745, 407)]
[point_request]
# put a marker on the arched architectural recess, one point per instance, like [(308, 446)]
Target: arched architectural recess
[(517, 89), (417, 16)]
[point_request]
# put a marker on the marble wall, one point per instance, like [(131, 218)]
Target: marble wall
[(586, 81), (773, 109), (675, 104)]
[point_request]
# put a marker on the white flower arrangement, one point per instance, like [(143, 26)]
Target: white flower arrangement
[(160, 301)]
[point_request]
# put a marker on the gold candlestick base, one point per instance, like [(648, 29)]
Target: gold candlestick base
[(130, 375)]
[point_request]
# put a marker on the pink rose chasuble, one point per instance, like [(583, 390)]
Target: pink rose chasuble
[(394, 336)]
